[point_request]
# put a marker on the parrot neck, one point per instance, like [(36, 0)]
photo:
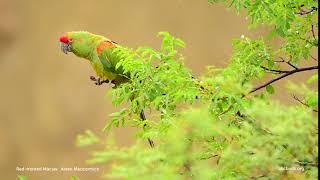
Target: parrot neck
[(86, 50), (92, 55)]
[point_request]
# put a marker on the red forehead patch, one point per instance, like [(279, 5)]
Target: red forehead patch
[(64, 39)]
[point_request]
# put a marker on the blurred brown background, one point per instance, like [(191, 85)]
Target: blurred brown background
[(47, 97)]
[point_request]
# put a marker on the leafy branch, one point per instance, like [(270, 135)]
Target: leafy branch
[(274, 70), (303, 103), (207, 127), (288, 73), (143, 118), (287, 62)]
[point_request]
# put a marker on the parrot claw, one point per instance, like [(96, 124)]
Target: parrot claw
[(98, 81), (92, 78)]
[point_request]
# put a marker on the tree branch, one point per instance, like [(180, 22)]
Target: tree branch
[(313, 34), (211, 156), (287, 62), (315, 59), (303, 103), (283, 76), (290, 64), (304, 163), (143, 117), (274, 70), (257, 177), (303, 12)]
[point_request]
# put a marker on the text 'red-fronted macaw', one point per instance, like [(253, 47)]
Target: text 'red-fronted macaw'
[(98, 50)]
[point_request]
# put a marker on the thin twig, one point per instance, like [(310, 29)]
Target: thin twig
[(227, 110), (313, 34), (259, 176), (315, 59), (288, 62), (277, 61), (187, 165), (283, 76), (274, 70), (303, 12), (282, 59), (143, 117), (211, 156), (303, 103), (304, 163)]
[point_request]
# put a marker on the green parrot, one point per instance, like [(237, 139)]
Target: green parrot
[(98, 50)]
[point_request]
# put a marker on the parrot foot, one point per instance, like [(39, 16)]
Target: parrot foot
[(98, 81)]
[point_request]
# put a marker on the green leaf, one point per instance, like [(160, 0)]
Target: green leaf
[(312, 100), (280, 32), (271, 34), (179, 43), (313, 79), (74, 178), (270, 89), (86, 139), (22, 177)]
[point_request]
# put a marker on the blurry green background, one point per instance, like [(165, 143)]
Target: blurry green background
[(46, 97)]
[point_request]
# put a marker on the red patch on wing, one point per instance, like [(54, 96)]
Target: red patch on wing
[(64, 39), (104, 44)]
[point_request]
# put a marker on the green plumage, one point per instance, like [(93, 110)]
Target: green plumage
[(98, 50)]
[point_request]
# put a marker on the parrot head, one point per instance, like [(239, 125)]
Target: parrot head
[(81, 43)]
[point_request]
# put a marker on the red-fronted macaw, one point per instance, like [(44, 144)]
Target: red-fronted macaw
[(98, 50)]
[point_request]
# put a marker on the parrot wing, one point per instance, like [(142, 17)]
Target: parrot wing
[(107, 59)]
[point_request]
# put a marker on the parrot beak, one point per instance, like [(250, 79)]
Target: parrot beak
[(65, 48)]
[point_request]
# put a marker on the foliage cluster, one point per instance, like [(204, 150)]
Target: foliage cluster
[(219, 126)]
